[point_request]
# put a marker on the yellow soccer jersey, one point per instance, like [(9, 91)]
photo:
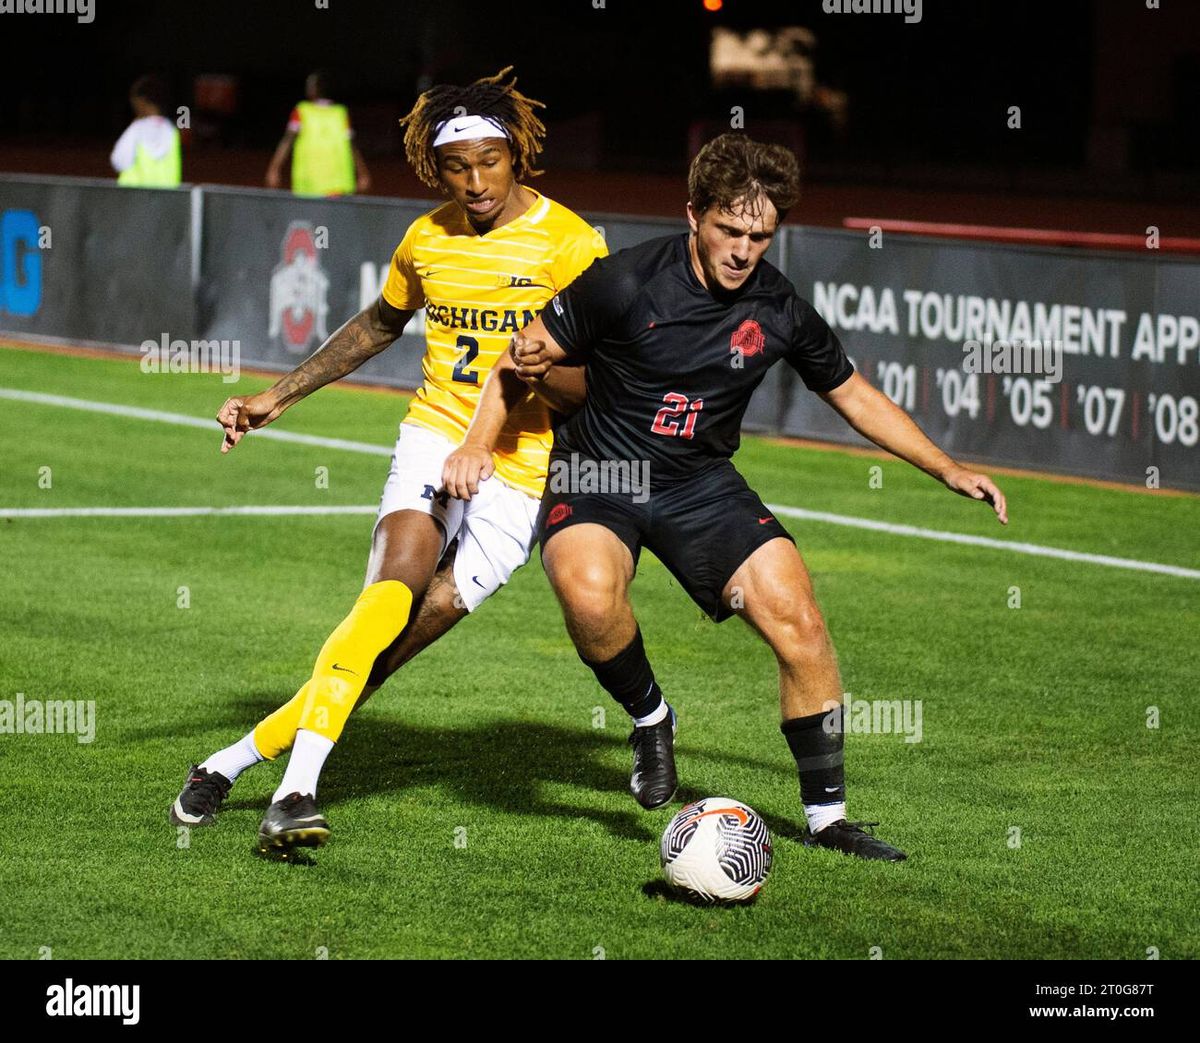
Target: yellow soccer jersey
[(477, 292)]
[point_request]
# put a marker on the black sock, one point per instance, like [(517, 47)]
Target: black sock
[(818, 754), (627, 677)]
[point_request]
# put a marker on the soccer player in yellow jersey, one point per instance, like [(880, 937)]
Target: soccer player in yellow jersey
[(482, 265)]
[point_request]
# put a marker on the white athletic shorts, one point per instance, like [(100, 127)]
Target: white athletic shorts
[(495, 528)]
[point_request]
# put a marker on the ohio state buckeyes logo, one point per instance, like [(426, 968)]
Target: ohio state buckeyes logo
[(748, 340), (299, 291), (559, 512)]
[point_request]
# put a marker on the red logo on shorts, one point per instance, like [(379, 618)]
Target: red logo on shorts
[(748, 340), (559, 512)]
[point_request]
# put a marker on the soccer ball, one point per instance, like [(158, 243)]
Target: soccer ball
[(717, 850)]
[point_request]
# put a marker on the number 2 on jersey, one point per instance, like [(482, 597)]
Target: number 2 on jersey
[(677, 405), (460, 367)]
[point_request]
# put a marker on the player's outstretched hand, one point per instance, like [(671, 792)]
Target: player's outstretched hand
[(464, 469), (531, 356), (239, 415), (978, 487)]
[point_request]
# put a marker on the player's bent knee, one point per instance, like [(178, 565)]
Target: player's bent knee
[(586, 545), (795, 629), (405, 546), (801, 637), (589, 593)]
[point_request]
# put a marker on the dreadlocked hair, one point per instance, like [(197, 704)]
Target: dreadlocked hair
[(490, 96)]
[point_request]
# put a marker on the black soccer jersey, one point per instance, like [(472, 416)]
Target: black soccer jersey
[(670, 367)]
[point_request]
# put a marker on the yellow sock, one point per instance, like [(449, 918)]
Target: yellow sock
[(275, 734), (344, 664)]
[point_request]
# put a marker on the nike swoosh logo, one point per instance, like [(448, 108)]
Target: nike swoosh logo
[(763, 521), (832, 789), (459, 130), (345, 668), (475, 579)]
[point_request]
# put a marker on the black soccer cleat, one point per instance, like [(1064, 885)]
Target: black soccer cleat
[(654, 780), (290, 822), (202, 796), (851, 839)]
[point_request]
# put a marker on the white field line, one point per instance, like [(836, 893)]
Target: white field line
[(983, 541), (799, 513), (183, 420), (173, 512)]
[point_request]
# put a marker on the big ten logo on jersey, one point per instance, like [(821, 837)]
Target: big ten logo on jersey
[(21, 240)]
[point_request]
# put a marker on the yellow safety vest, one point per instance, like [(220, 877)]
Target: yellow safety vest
[(148, 172), (322, 160)]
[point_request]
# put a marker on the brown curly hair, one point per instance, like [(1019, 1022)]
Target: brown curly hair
[(491, 96), (734, 167)]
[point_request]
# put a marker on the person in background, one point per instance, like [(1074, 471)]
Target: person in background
[(325, 161), (147, 155)]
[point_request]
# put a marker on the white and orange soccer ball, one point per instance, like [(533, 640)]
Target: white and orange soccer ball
[(717, 850)]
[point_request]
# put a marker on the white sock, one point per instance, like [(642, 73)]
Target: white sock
[(654, 716), (235, 759), (821, 815), (304, 765)]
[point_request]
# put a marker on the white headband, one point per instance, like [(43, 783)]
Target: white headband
[(464, 128)]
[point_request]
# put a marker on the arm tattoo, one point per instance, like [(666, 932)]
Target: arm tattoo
[(361, 338)]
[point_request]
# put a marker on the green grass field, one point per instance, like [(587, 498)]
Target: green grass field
[(1034, 718)]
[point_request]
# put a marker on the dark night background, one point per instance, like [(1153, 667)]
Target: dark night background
[(1108, 89)]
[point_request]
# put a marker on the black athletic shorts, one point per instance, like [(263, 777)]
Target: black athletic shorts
[(701, 528)]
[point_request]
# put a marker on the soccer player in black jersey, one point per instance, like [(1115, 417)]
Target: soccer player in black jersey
[(676, 333)]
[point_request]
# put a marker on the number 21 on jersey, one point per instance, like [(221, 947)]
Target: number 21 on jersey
[(676, 405)]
